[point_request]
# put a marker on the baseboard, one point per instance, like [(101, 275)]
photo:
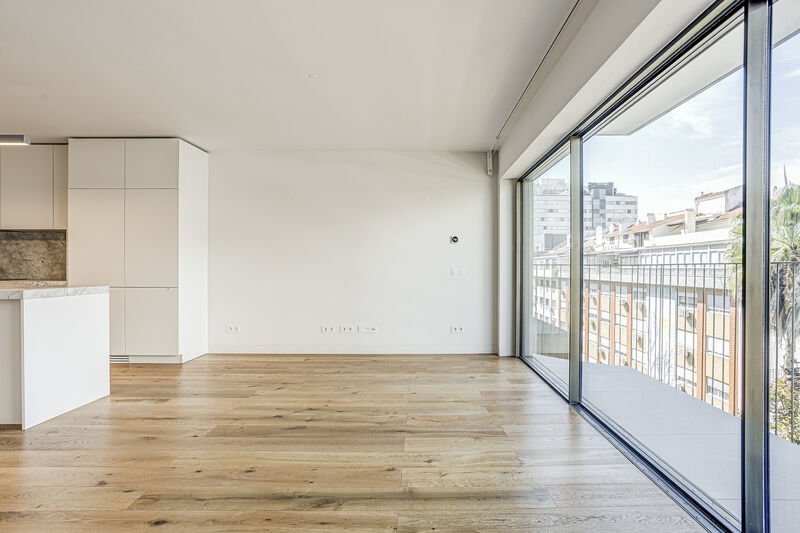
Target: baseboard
[(161, 359), (315, 349)]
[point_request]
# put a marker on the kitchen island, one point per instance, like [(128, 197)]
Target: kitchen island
[(53, 351)]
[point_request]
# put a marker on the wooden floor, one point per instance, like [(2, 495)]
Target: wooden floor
[(321, 443)]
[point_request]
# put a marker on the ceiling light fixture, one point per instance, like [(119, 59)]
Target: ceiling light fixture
[(14, 140)]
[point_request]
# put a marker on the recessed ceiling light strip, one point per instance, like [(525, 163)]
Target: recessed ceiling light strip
[(14, 140)]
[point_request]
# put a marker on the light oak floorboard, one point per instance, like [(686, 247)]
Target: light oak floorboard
[(325, 443)]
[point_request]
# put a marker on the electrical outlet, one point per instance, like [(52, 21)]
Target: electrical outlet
[(347, 329), (459, 272), (328, 329), (232, 329), (367, 329), (456, 329)]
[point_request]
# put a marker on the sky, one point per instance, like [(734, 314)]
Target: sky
[(697, 147)]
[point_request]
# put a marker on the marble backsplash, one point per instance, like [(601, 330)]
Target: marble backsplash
[(33, 255)]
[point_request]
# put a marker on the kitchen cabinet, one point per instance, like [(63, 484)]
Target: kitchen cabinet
[(151, 237), (60, 166), (116, 331), (155, 250), (96, 163), (96, 237), (151, 321), (26, 187), (151, 164)]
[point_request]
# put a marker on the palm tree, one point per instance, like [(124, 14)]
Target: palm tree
[(784, 253), (784, 301)]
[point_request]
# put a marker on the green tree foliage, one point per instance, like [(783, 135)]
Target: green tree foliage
[(784, 409), (784, 302)]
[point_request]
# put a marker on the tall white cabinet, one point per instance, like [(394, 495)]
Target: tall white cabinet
[(33, 187), (138, 222)]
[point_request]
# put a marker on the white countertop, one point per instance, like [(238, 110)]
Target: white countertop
[(28, 292)]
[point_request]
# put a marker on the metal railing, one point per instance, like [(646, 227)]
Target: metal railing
[(784, 365), (681, 324)]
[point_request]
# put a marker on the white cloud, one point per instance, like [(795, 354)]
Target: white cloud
[(694, 117)]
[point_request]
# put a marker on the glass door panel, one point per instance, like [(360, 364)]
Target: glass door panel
[(661, 348), (545, 271), (783, 327)]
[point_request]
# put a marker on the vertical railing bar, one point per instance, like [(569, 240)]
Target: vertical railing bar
[(793, 309), (674, 346), (659, 293), (634, 327), (777, 294), (714, 340), (661, 288), (740, 351), (652, 286), (777, 330), (755, 436), (696, 337), (646, 319), (705, 341)]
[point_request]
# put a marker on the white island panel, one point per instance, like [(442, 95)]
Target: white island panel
[(65, 349)]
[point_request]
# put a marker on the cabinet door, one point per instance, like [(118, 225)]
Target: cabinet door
[(116, 302), (151, 163), (151, 238), (96, 237), (96, 163), (26, 187), (60, 187), (151, 321)]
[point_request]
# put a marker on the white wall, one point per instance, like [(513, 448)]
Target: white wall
[(302, 239), (602, 46), (506, 267)]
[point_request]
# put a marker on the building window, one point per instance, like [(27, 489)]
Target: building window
[(717, 389), (717, 347)]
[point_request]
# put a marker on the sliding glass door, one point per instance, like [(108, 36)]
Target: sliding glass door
[(544, 266), (684, 342), (661, 351), (783, 322)]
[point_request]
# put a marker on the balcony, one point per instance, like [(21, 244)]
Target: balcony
[(672, 382), (699, 443)]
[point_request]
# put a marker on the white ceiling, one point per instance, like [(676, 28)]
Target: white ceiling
[(387, 74)]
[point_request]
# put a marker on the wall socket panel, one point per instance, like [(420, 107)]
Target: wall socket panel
[(347, 329), (232, 329), (458, 272), (456, 329)]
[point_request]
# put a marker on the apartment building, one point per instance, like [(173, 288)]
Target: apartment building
[(603, 207), (660, 297)]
